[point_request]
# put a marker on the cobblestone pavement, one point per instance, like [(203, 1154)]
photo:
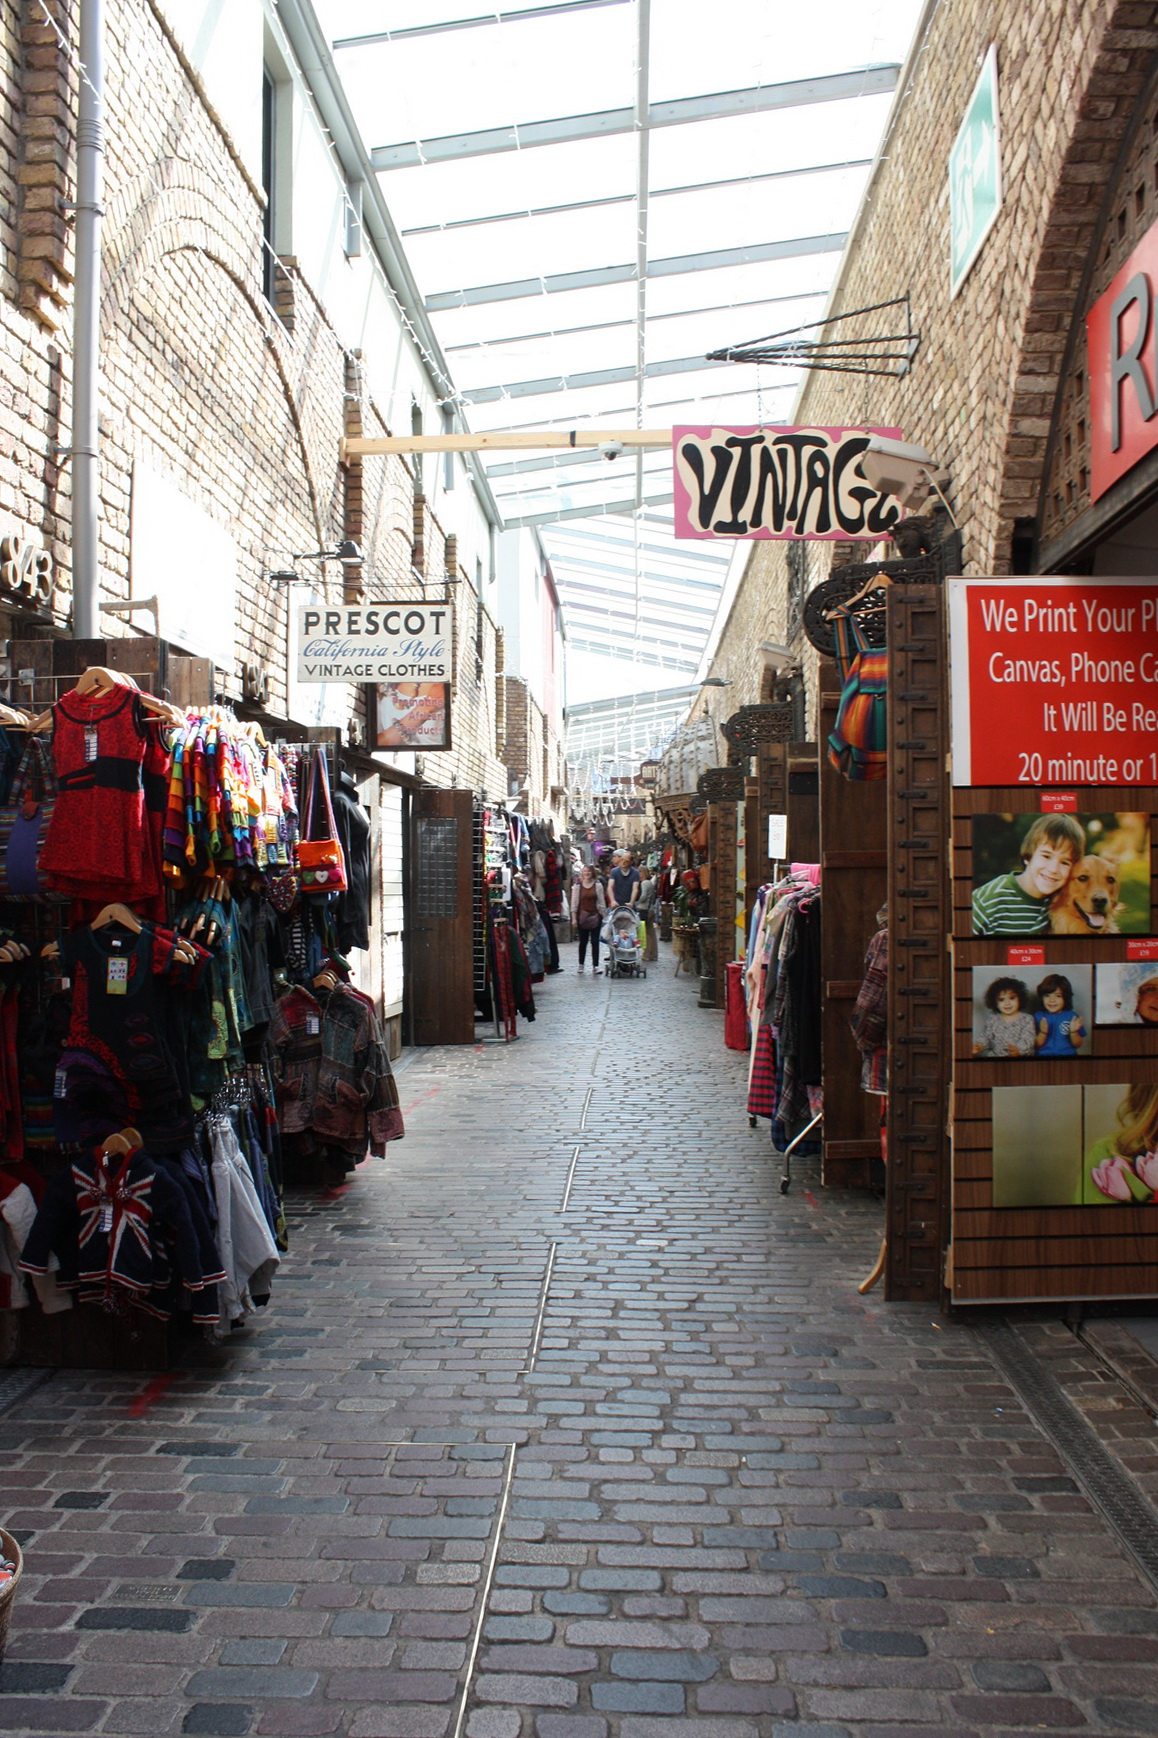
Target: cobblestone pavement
[(564, 1423)]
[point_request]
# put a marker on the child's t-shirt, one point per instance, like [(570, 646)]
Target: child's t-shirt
[(999, 1034), (1002, 907), (1058, 1041)]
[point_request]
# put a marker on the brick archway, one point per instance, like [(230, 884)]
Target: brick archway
[(1119, 79)]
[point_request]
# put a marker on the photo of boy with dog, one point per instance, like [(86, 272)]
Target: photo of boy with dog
[(1038, 874)]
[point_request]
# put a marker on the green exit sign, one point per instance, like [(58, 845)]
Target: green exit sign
[(974, 175)]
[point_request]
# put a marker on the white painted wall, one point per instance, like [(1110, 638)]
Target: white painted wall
[(227, 42)]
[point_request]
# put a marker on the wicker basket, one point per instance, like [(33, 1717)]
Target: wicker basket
[(10, 1549)]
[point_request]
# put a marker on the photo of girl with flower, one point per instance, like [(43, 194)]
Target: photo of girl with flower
[(1122, 1166)]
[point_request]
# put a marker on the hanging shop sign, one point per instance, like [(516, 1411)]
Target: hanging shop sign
[(778, 482), (26, 575), (412, 715), (374, 642), (974, 176), (1122, 353), (1054, 681)]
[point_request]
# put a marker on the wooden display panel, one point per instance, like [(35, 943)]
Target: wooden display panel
[(917, 1209), (853, 830), (1045, 1252), (724, 838), (442, 917)]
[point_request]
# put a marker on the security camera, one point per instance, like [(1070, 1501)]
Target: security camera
[(898, 468), (612, 449)]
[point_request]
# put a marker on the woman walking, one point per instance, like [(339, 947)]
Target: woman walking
[(588, 910)]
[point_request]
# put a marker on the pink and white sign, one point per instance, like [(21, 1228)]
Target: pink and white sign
[(785, 482)]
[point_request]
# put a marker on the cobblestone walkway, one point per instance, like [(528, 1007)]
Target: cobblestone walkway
[(564, 1423)]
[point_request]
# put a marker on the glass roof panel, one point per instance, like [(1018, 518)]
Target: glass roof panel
[(763, 182), (487, 322), (776, 139), (527, 247), (695, 333), (724, 285), (456, 192), (428, 86), (752, 42), (532, 358), (730, 216)]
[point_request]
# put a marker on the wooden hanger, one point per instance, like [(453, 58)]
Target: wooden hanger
[(117, 913), (327, 979), (97, 680), (126, 1140)]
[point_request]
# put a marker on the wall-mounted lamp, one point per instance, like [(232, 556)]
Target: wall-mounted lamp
[(347, 552), (716, 682), (904, 470)]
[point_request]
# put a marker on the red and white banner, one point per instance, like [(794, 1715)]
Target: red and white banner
[(1120, 337), (1054, 681)]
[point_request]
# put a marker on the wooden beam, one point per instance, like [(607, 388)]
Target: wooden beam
[(498, 440)]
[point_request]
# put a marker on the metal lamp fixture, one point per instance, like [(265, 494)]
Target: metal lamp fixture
[(347, 552)]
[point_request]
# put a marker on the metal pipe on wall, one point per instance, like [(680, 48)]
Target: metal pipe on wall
[(86, 327)]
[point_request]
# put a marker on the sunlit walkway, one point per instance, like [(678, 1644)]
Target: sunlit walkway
[(564, 1423)]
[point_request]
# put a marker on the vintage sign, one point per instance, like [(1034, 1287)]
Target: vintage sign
[(974, 176), (1122, 356), (783, 482), (374, 642), (1054, 681)]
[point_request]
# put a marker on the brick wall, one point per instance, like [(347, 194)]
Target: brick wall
[(982, 394), (240, 404)]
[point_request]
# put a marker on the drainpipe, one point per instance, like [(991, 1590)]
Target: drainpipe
[(86, 326)]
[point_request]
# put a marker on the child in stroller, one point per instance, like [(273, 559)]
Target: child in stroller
[(624, 949)]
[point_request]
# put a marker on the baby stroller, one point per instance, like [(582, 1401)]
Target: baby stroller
[(624, 951)]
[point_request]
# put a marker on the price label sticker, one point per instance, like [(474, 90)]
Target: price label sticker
[(117, 982), (313, 1025), (107, 1216), (91, 743), (1059, 802), (1142, 949), (1028, 954), (59, 1083)]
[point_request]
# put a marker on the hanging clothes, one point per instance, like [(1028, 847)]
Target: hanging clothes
[(352, 911), (334, 1077), (869, 1019), (103, 842)]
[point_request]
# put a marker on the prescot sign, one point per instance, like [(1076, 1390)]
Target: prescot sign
[(374, 642)]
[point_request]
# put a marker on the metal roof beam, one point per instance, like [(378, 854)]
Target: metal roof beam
[(588, 377), (632, 654), (597, 510), (565, 129), (556, 283), (374, 37), (652, 320), (627, 198)]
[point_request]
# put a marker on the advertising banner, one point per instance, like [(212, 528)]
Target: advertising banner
[(799, 483), (1120, 339), (412, 715), (1054, 681), (374, 642)]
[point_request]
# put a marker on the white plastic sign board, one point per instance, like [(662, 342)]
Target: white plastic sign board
[(373, 642), (778, 837)]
